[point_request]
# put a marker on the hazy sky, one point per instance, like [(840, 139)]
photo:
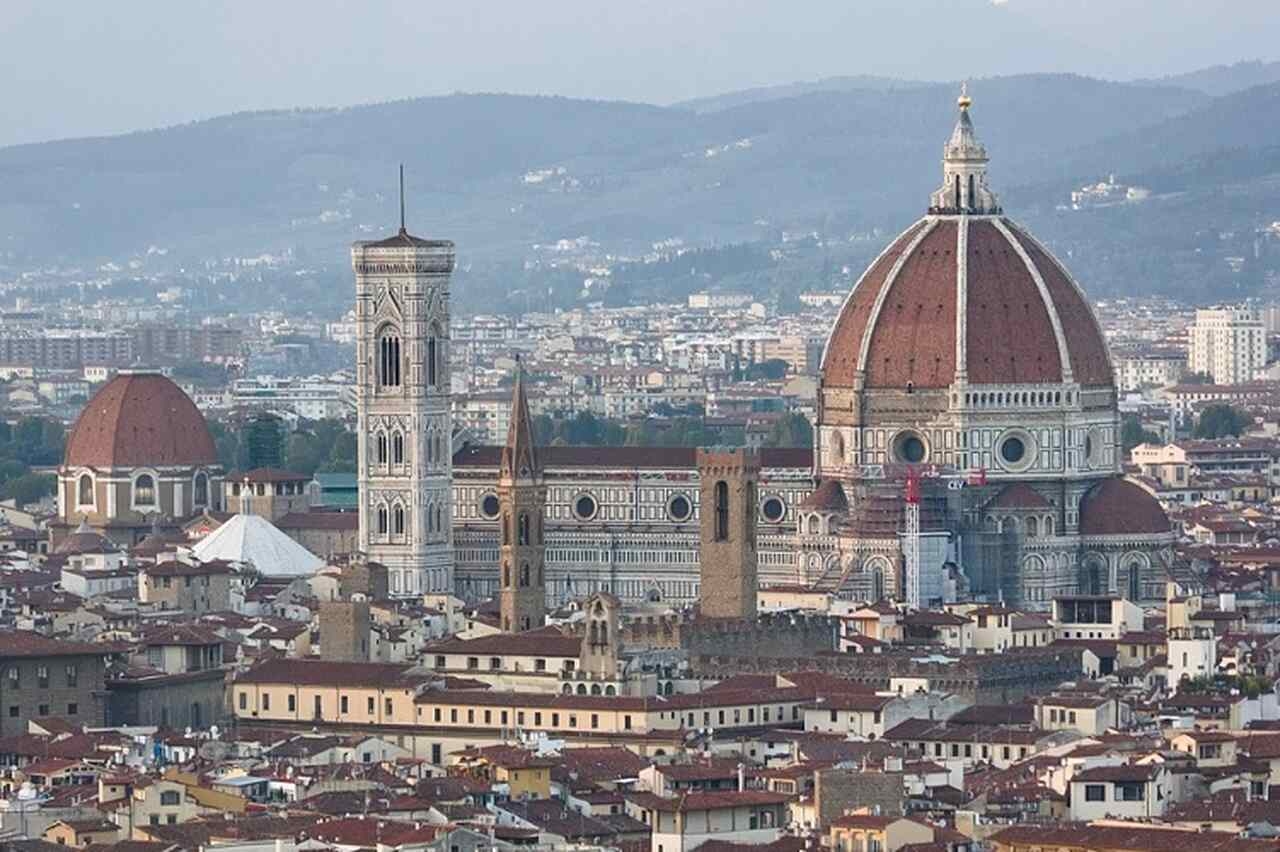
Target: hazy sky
[(81, 67)]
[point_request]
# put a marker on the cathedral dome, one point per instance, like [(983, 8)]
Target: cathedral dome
[(965, 294), (1117, 506), (140, 420)]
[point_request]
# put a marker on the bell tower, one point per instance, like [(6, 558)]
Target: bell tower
[(403, 408), (727, 556), (522, 500)]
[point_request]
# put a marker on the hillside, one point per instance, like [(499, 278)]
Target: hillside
[(1224, 79), (632, 174)]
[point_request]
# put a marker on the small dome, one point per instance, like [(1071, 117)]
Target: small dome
[(1119, 507), (140, 420), (85, 540), (827, 497)]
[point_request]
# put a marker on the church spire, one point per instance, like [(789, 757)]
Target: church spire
[(520, 456), (964, 169)]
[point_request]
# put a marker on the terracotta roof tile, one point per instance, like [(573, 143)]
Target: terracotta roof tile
[(140, 419)]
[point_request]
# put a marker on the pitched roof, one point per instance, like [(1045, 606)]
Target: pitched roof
[(330, 673), (253, 540)]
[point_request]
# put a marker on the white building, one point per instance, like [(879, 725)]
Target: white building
[(312, 397), (1228, 344), (1151, 368)]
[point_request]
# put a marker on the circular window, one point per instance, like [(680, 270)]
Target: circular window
[(489, 506), (1016, 450), (679, 509), (585, 507), (910, 448), (1013, 450), (773, 509)]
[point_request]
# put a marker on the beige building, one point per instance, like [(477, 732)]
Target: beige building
[(1228, 344), (189, 587)]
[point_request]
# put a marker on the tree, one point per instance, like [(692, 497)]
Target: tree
[(1132, 434), (1197, 379), (265, 441), (773, 369), (1220, 421), (29, 488), (791, 430)]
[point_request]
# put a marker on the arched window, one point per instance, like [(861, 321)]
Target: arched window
[(813, 525), (1032, 528), (397, 448), (524, 574), (397, 520), (382, 447), (84, 490), (382, 520), (1048, 525), (144, 490), (506, 528), (506, 575), (722, 511), (389, 359), (439, 518), (972, 195), (522, 535), (1135, 581), (201, 490), (957, 192), (430, 519), (431, 360)]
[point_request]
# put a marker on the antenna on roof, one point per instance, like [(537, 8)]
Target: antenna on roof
[(402, 230)]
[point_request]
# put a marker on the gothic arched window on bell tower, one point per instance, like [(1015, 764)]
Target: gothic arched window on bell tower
[(722, 511), (433, 351), (381, 442), (389, 358), (524, 574), (397, 520), (522, 535), (397, 447), (382, 520)]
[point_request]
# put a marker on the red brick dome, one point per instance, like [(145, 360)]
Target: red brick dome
[(1117, 506), (1024, 319), (140, 420)]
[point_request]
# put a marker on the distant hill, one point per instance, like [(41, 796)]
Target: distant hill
[(1224, 79), (714, 103), (499, 173)]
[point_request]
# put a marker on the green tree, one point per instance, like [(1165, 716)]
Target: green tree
[(1220, 421), (1132, 434), (264, 439), (29, 488), (1197, 379), (791, 430)]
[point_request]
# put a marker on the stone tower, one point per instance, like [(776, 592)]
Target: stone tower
[(727, 550), (602, 637), (522, 500), (402, 401)]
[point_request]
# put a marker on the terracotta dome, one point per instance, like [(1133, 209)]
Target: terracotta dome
[(140, 420), (1117, 506), (964, 293), (1025, 319)]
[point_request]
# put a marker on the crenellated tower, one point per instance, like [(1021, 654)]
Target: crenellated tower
[(403, 406), (522, 500)]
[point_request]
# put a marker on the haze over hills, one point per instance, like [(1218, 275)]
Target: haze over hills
[(500, 174)]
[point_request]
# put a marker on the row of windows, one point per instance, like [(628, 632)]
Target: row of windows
[(142, 490), (42, 710), (390, 359), (71, 676)]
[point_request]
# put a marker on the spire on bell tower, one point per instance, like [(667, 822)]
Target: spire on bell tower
[(964, 169), (520, 456), (522, 501)]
